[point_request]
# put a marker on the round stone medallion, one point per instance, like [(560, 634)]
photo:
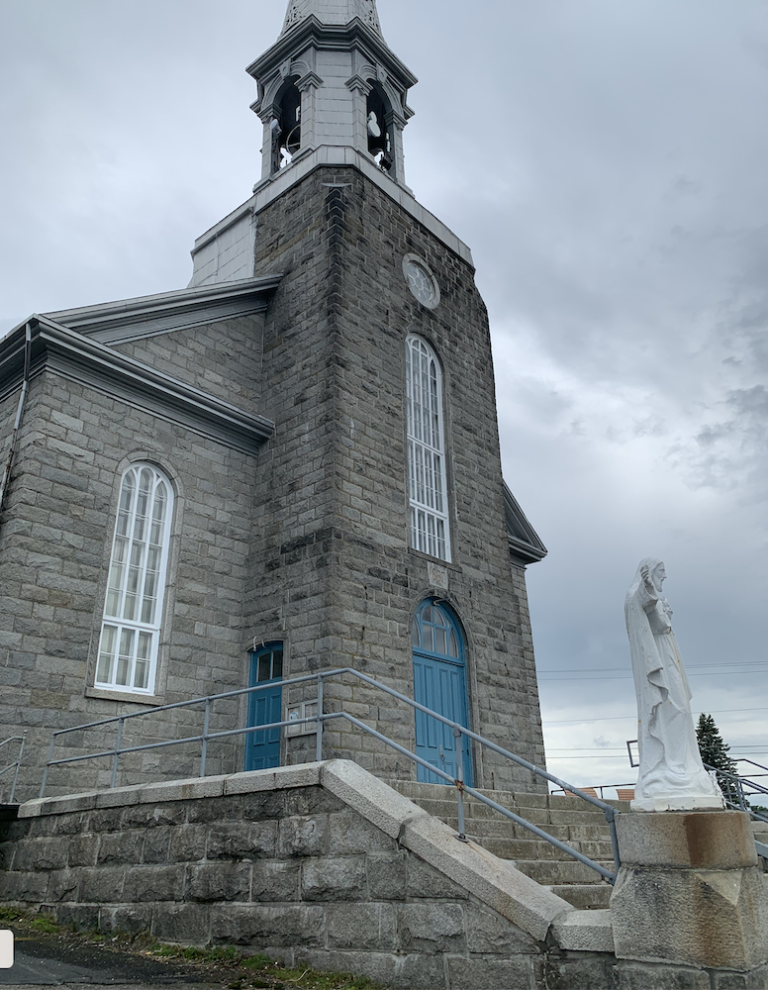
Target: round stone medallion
[(421, 281)]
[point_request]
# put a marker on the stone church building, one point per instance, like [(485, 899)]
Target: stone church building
[(291, 465)]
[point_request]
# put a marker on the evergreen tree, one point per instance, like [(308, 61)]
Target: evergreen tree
[(714, 753)]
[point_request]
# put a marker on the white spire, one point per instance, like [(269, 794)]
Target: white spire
[(333, 12)]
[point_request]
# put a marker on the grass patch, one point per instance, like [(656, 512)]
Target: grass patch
[(45, 925), (310, 979), (192, 953), (40, 923), (253, 972), (259, 961), (271, 975)]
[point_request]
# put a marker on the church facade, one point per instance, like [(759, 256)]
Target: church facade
[(291, 465)]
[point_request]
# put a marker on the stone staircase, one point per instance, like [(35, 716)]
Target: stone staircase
[(566, 818)]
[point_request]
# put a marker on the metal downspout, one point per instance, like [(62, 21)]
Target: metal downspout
[(20, 409)]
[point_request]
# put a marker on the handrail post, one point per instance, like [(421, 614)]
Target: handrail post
[(459, 742), (18, 764), (48, 764), (117, 750), (319, 738), (610, 817), (206, 725)]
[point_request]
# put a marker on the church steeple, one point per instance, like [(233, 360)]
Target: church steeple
[(332, 12), (331, 92)]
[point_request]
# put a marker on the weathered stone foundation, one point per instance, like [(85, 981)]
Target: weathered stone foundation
[(690, 891), (323, 863)]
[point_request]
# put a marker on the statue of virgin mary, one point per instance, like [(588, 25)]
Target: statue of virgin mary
[(671, 775)]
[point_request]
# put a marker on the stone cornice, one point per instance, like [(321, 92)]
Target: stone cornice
[(65, 352), (268, 190), (331, 36)]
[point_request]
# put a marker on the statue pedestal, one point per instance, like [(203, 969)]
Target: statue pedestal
[(689, 891)]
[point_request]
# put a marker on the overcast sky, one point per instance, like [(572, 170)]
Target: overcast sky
[(608, 165)]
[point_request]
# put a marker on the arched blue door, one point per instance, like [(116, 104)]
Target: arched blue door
[(262, 749), (440, 683)]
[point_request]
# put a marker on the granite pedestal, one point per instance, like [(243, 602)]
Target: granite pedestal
[(689, 891)]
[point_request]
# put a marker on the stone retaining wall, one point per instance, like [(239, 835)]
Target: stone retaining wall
[(322, 863)]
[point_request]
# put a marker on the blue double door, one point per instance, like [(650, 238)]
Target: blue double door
[(440, 683), (265, 707)]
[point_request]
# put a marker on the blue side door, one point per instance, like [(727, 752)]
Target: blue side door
[(440, 684), (262, 749)]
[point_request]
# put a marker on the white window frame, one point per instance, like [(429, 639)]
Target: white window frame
[(427, 478), (130, 629)]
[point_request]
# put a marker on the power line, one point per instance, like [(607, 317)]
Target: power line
[(689, 666), (623, 749), (622, 718), (628, 677), (752, 752)]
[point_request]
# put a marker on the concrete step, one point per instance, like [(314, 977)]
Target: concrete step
[(550, 872), (569, 819), (475, 810), (585, 896), (521, 849), (504, 829), (514, 800)]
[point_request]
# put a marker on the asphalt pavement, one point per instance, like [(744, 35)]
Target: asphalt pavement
[(42, 962)]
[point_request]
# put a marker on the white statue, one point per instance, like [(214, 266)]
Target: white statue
[(671, 775)]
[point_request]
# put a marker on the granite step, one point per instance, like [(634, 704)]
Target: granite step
[(504, 829), (549, 872), (516, 849), (568, 819), (584, 896)]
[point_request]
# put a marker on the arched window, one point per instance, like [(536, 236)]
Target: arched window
[(378, 128), (286, 127), (426, 457), (133, 609)]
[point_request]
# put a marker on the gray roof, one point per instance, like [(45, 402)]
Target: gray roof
[(524, 542)]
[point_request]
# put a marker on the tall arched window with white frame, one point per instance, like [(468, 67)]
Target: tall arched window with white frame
[(426, 450), (133, 609)]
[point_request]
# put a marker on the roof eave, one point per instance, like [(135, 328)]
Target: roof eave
[(88, 319), (80, 358)]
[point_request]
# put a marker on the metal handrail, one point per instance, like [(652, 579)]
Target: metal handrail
[(16, 763), (742, 804), (319, 720), (743, 759)]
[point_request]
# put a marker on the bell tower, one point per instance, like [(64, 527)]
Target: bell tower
[(331, 91), (384, 538)]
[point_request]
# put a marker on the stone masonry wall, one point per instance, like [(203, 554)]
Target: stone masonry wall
[(55, 542), (292, 872), (332, 572), (222, 358)]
